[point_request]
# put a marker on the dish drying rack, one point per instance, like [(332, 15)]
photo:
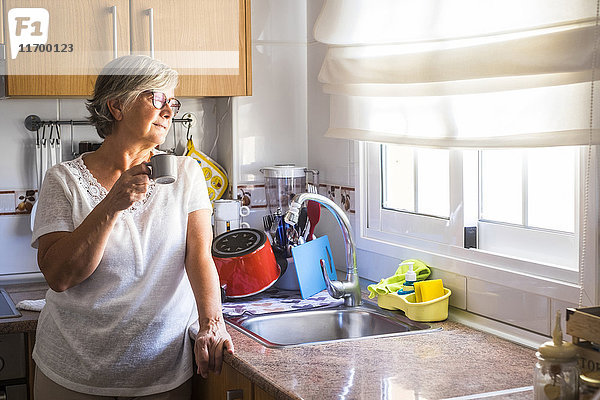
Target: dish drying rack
[(34, 123)]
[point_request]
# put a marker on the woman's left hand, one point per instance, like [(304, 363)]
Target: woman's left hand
[(212, 340)]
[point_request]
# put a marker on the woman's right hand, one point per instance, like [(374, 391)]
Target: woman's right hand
[(131, 186)]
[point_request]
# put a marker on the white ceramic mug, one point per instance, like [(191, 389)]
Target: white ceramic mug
[(228, 215), (163, 168), (228, 210)]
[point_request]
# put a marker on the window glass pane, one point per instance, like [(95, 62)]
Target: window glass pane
[(398, 178), (433, 182), (551, 188), (416, 180), (502, 186)]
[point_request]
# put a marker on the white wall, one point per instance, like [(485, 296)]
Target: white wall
[(270, 126), (332, 157)]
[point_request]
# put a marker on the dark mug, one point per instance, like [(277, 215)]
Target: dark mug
[(163, 168)]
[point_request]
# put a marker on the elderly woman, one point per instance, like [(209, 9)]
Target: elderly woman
[(128, 261)]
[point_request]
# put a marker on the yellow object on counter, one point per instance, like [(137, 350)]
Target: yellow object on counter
[(428, 290), (396, 281), (427, 311)]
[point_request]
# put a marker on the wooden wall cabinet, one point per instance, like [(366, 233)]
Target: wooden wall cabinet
[(206, 41), (84, 29)]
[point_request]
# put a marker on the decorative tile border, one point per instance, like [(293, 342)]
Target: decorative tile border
[(17, 202), (253, 196), (343, 196)]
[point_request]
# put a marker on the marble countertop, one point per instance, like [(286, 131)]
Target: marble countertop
[(454, 362)]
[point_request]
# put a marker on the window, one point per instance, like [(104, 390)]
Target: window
[(453, 83), (523, 202)]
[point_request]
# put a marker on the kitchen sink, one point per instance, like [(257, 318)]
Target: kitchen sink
[(313, 326), (7, 307)]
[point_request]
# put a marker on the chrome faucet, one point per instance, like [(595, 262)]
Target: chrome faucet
[(349, 289)]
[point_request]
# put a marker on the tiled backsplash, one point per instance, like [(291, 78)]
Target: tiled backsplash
[(343, 196), (253, 196)]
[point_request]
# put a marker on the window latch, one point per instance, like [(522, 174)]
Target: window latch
[(470, 240)]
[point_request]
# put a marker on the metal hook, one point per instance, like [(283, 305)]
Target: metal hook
[(72, 150), (44, 135), (51, 138), (188, 135), (57, 133)]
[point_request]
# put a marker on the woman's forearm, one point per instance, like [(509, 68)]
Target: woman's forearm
[(201, 269), (205, 285), (212, 338), (68, 258)]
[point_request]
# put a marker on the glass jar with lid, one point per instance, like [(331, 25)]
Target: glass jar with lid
[(556, 373)]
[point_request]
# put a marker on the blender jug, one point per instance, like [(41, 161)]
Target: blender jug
[(283, 182)]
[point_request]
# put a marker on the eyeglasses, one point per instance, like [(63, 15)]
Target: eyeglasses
[(159, 100)]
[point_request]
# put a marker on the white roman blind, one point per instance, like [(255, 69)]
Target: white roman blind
[(461, 73)]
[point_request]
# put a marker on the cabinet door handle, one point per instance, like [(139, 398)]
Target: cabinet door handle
[(113, 10), (151, 29), (235, 394)]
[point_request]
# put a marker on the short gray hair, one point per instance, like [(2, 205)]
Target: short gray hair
[(124, 79)]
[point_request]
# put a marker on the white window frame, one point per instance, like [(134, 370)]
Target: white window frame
[(543, 279)]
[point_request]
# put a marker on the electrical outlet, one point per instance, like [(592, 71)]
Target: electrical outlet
[(23, 200)]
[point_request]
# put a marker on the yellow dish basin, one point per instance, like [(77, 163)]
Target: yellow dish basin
[(427, 311)]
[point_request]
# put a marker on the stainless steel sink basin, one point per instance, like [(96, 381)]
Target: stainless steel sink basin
[(313, 326)]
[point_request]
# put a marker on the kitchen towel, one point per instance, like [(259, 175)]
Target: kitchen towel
[(277, 300), (31, 305), (394, 282)]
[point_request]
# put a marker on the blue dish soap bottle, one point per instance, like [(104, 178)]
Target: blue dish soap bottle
[(409, 280)]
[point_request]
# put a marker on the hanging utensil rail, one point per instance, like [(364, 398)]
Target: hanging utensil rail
[(34, 123)]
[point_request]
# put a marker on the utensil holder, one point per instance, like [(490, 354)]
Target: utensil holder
[(289, 280)]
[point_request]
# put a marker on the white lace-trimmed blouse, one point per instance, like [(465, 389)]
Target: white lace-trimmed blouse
[(123, 330)]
